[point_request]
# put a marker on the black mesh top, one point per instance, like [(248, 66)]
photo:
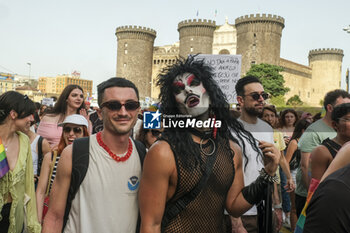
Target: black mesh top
[(206, 212)]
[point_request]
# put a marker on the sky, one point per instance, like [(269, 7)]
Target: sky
[(61, 36)]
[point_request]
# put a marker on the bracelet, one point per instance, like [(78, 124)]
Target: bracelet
[(267, 177)]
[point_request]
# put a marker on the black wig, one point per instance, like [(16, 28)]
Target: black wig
[(180, 139)]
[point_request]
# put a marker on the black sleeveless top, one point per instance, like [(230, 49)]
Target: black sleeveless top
[(332, 146), (206, 212)]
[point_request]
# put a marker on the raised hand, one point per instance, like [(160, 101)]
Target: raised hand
[(271, 157)]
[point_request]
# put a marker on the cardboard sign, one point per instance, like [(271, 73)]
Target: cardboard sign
[(227, 71), (47, 101)]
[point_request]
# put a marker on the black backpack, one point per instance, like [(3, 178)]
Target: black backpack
[(40, 154), (80, 165)]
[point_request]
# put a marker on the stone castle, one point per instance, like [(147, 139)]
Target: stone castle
[(256, 37)]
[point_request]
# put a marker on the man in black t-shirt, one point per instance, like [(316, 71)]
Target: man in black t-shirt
[(329, 210)]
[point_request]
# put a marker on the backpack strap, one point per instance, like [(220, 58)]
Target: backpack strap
[(141, 150), (40, 154), (52, 165), (80, 165)]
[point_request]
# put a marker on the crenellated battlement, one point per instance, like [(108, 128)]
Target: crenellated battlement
[(197, 22), (136, 29), (322, 51), (264, 18)]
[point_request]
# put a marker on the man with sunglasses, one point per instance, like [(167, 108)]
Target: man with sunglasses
[(251, 97), (106, 199)]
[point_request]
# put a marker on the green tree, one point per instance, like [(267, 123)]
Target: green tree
[(278, 100), (294, 101), (270, 77)]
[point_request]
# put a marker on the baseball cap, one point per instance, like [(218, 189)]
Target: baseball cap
[(75, 119)]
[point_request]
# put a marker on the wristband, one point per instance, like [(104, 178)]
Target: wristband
[(256, 191), (267, 177), (278, 206)]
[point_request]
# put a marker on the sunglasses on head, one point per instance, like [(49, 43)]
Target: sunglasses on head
[(68, 129), (155, 133), (256, 96), (116, 105)]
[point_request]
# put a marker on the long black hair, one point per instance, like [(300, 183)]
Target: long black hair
[(181, 139), (299, 127), (12, 100)]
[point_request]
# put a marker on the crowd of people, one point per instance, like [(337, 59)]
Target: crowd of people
[(69, 168)]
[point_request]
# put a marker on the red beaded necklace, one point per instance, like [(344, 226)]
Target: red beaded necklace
[(114, 156)]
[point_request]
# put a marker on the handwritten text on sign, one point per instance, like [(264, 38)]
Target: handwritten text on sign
[(227, 71)]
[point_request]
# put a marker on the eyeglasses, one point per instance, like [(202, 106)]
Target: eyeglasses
[(344, 119), (155, 133), (256, 96), (68, 129), (116, 105)]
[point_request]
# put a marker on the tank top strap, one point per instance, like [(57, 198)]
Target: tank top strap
[(332, 146)]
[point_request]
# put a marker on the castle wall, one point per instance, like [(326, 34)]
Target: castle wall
[(134, 56), (326, 67), (196, 36), (225, 39), (162, 57), (259, 39), (297, 77)]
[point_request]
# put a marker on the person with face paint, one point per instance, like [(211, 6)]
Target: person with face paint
[(184, 159)]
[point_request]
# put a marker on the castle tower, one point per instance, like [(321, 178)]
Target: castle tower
[(134, 56), (326, 65), (259, 39), (196, 36)]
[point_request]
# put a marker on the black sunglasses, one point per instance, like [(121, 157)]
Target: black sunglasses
[(68, 129), (155, 133), (256, 96), (116, 105)]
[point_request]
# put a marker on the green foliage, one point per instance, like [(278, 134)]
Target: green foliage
[(321, 102), (294, 101), (278, 100), (270, 77)]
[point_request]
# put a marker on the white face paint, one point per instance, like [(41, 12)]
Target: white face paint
[(191, 96)]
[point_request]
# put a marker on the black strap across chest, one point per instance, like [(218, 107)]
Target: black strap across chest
[(172, 209)]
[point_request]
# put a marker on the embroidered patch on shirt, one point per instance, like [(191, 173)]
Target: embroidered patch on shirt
[(133, 183)]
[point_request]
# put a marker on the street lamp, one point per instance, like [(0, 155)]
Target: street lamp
[(30, 67), (347, 29)]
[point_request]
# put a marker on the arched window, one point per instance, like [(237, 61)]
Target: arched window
[(224, 51)]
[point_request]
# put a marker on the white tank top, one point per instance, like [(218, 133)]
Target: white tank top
[(106, 200), (34, 147)]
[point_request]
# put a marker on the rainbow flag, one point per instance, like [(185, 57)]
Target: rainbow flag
[(4, 166), (301, 220)]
